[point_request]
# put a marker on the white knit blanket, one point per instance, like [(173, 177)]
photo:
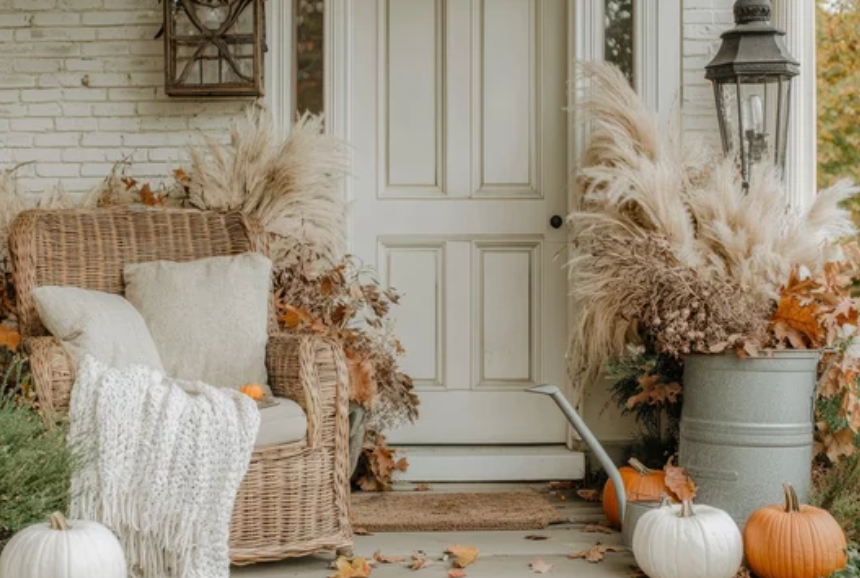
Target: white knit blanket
[(162, 461)]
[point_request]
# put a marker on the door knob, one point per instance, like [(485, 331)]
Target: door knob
[(556, 222)]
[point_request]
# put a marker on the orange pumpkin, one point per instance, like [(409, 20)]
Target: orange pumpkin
[(252, 390), (640, 483), (818, 544)]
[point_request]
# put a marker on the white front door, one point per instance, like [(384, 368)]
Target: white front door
[(460, 147)]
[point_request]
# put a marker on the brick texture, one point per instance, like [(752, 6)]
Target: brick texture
[(704, 21), (82, 86)]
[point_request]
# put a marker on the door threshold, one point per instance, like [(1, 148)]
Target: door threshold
[(491, 463)]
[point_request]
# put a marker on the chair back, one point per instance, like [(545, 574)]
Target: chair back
[(89, 248)]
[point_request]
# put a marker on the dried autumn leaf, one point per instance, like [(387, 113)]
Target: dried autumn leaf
[(540, 567), (419, 562), (382, 559), (456, 573), (840, 444), (654, 392), (351, 568), (360, 531), (679, 482), (589, 495), (9, 337), (598, 528), (597, 552), (566, 485), (149, 198), (537, 537), (362, 387), (465, 555), (791, 314), (291, 317), (421, 488), (181, 176)]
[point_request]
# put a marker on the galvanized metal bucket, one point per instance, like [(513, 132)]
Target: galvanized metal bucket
[(747, 427)]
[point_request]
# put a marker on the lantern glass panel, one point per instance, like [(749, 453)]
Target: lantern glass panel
[(753, 119)]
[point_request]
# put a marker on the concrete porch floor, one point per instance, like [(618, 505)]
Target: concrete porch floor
[(502, 554)]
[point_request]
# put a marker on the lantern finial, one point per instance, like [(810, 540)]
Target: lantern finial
[(747, 11)]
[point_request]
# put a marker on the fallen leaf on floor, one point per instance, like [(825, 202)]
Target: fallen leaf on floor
[(598, 528), (537, 537), (589, 495), (540, 567), (419, 561), (421, 488), (561, 485), (359, 531), (465, 555), (351, 568), (636, 572), (456, 573), (744, 572), (597, 552), (382, 559)]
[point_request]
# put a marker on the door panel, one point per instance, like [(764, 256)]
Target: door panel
[(460, 141)]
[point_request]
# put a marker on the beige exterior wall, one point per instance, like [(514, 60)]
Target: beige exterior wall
[(82, 86)]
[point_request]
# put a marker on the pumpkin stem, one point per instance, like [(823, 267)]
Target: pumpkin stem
[(59, 522), (641, 468), (686, 509), (792, 504)]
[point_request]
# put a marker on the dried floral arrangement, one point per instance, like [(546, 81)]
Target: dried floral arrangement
[(291, 187), (707, 266)]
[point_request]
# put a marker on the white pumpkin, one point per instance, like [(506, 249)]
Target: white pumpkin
[(677, 542), (63, 549)]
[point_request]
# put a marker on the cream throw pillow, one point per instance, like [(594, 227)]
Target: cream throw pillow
[(103, 325), (208, 318)]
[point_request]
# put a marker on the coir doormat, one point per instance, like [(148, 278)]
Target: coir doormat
[(440, 512)]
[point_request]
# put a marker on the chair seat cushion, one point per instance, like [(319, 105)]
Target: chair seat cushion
[(283, 423)]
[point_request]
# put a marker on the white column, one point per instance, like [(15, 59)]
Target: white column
[(279, 63), (797, 18)]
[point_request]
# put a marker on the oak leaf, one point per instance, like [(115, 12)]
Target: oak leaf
[(792, 319), (679, 482), (597, 552), (540, 567), (149, 198), (382, 559), (464, 555), (351, 568)]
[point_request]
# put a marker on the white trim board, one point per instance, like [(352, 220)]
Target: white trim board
[(491, 463)]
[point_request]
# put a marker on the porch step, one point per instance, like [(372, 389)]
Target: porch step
[(491, 463)]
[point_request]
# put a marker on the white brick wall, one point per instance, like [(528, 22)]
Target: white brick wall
[(704, 21), (82, 86)]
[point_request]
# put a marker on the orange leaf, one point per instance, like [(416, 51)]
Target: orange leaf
[(679, 482), (456, 573), (421, 488), (419, 562), (465, 555), (181, 176), (9, 337), (801, 318), (598, 528), (379, 557), (351, 568), (148, 198), (589, 495)]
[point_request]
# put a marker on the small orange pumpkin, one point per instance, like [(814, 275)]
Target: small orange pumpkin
[(818, 544), (252, 390), (640, 483)]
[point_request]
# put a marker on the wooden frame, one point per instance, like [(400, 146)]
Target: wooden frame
[(218, 72)]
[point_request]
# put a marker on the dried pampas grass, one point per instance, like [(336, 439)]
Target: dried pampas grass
[(291, 187), (670, 249)]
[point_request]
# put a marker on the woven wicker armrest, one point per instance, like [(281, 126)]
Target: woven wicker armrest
[(312, 372), (53, 374)]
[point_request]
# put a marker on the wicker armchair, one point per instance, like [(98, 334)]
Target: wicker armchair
[(294, 498)]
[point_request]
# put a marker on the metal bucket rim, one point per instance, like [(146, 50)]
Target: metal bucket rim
[(767, 354)]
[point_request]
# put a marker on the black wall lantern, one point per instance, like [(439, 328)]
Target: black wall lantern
[(752, 75), (214, 47)]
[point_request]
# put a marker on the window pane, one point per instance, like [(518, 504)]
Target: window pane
[(618, 46), (309, 55)]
